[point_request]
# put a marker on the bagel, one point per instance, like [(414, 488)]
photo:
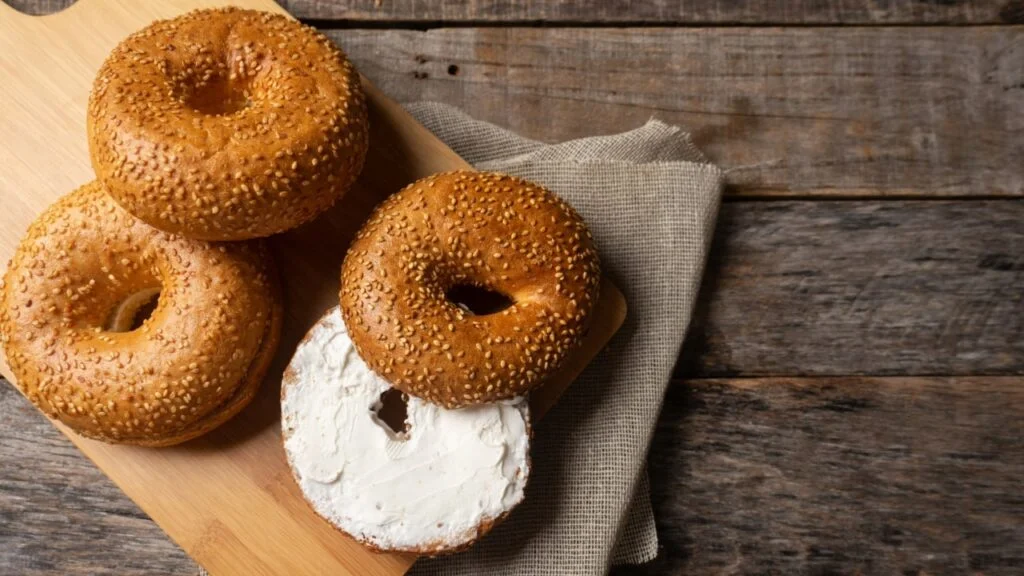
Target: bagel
[(67, 301), (442, 235), (227, 124), (434, 486)]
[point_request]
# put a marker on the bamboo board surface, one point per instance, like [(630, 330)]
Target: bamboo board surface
[(227, 498)]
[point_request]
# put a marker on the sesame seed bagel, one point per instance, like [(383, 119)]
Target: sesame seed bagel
[(82, 271), (479, 230), (227, 124)]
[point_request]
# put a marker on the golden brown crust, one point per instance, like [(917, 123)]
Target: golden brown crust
[(227, 124), (196, 361), (247, 388), (468, 228), (434, 549)]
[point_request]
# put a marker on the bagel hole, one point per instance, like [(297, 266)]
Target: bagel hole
[(218, 96), (477, 300), (133, 311), (391, 412)]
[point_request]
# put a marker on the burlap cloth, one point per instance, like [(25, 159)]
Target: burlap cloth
[(650, 199)]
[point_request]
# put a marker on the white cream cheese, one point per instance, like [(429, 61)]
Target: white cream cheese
[(430, 487)]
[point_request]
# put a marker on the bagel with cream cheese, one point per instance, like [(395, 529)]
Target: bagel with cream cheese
[(433, 485)]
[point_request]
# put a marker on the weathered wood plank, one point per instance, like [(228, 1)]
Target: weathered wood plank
[(840, 476), (859, 111), (862, 287), (667, 11), (60, 515), (651, 11), (846, 111), (804, 476)]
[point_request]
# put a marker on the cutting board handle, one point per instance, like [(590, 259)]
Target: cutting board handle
[(7, 11)]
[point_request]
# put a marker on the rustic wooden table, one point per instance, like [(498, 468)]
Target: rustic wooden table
[(850, 398)]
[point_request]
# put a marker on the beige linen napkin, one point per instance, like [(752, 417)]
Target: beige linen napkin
[(650, 199)]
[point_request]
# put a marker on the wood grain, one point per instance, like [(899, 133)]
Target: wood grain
[(862, 287), (652, 11), (787, 476), (840, 476), (797, 111), (60, 515)]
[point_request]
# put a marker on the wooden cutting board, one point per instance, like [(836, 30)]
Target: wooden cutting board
[(227, 498)]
